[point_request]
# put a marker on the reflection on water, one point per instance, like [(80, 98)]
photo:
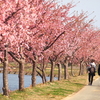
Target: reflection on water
[(13, 81)]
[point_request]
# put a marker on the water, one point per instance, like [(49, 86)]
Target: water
[(13, 81)]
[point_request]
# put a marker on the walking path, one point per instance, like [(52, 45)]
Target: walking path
[(89, 92)]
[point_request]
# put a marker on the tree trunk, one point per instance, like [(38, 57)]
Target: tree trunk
[(44, 77), (80, 68), (81, 71), (21, 69), (83, 68), (5, 74), (21, 74), (72, 70), (66, 75), (52, 71), (59, 71), (41, 75), (34, 74), (43, 72)]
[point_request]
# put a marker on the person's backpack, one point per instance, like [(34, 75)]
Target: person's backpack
[(92, 70)]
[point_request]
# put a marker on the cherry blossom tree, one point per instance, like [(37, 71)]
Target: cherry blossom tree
[(27, 22)]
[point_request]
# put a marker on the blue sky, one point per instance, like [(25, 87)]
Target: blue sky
[(92, 7)]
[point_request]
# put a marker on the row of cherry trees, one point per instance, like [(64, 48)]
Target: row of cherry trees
[(40, 31)]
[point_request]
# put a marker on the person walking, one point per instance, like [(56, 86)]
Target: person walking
[(91, 71)]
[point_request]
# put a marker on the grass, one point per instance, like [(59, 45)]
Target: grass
[(49, 91)]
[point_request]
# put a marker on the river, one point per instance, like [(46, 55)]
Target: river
[(13, 81)]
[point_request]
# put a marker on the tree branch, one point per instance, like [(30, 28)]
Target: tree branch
[(12, 55), (11, 15), (47, 47)]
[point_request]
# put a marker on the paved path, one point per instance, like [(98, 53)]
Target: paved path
[(87, 93)]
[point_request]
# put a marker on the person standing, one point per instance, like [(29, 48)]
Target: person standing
[(91, 71)]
